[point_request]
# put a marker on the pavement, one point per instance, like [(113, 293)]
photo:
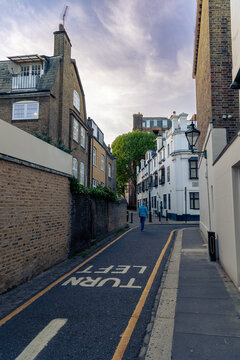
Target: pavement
[(197, 309)]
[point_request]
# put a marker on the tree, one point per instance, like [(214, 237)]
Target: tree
[(130, 149)]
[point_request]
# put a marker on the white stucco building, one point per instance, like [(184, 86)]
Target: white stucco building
[(219, 176), (167, 180)]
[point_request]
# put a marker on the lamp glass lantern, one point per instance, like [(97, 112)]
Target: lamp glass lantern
[(192, 135)]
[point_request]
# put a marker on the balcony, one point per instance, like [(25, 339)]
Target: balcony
[(24, 82)]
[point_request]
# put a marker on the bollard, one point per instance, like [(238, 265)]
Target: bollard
[(150, 216), (166, 215), (127, 215), (131, 217)]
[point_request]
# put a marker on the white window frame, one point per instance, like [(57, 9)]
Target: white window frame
[(164, 123), (75, 168), (76, 100), (102, 162), (109, 170), (83, 137), (94, 183), (25, 107), (75, 130), (94, 156), (82, 173)]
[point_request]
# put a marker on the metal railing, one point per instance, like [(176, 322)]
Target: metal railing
[(24, 82)]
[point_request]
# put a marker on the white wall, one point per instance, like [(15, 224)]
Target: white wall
[(19, 144), (227, 209), (220, 198)]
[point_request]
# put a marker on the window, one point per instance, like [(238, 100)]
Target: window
[(94, 183), (27, 70), (155, 123), (194, 200), (193, 168), (75, 168), (82, 137), (75, 130), (162, 176), (169, 201), (109, 170), (94, 155), (168, 173), (164, 123), (24, 110), (95, 129), (165, 201), (76, 100), (147, 123), (144, 124), (82, 173), (102, 162)]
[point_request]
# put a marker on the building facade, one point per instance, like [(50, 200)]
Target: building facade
[(167, 180), (102, 162), (154, 124), (43, 95), (217, 103), (216, 71)]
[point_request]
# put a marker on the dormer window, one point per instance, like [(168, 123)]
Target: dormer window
[(31, 70), (25, 71), (25, 110)]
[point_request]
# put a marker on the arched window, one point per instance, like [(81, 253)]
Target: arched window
[(25, 110)]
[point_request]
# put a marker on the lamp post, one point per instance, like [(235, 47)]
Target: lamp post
[(192, 135), (149, 191)]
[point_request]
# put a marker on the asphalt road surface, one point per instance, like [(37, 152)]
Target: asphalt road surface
[(98, 312)]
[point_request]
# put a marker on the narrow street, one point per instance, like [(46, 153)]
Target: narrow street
[(85, 313)]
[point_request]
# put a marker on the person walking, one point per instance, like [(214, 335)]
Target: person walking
[(143, 213)]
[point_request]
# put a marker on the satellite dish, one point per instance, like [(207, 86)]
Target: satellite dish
[(14, 68)]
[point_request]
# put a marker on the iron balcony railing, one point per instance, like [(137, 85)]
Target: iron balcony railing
[(24, 82)]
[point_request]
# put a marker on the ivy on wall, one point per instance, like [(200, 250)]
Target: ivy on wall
[(101, 192)]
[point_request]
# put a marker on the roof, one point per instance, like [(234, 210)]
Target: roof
[(46, 81), (197, 36), (26, 58)]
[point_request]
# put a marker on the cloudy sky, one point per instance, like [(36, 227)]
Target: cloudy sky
[(132, 55)]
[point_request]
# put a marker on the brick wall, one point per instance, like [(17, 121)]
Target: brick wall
[(97, 173), (35, 216), (93, 219), (215, 98), (203, 77)]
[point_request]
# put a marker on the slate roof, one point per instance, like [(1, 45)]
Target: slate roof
[(45, 83)]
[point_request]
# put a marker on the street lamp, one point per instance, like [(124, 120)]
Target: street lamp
[(149, 192), (192, 135)]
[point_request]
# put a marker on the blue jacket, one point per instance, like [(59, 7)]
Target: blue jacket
[(142, 211)]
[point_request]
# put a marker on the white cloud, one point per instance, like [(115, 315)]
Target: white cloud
[(125, 63)]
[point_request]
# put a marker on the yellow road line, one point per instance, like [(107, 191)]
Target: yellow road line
[(37, 296), (123, 343)]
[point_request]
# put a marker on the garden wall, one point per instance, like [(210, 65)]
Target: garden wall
[(93, 219)]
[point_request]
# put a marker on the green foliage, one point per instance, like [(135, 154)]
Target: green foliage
[(100, 192), (44, 137), (130, 149), (60, 145)]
